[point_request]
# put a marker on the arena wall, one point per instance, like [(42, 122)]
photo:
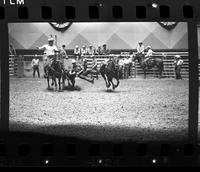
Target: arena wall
[(27, 36)]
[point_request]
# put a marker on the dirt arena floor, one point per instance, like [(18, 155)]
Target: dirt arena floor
[(138, 110)]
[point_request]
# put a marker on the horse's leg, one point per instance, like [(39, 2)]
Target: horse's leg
[(55, 82), (59, 83), (48, 82), (73, 82), (113, 85), (144, 73), (52, 82), (109, 81)]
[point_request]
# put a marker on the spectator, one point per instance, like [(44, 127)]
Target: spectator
[(121, 67), (83, 50), (90, 50), (77, 53), (105, 51), (35, 66), (99, 50), (12, 50), (178, 62)]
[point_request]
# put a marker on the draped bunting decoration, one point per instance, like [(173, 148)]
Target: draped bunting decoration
[(168, 25), (61, 26)]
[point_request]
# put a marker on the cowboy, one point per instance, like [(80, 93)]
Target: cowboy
[(83, 50), (90, 50), (35, 66), (98, 50), (149, 53), (77, 52), (140, 48), (121, 67), (105, 51), (49, 53), (178, 62), (78, 70), (63, 52)]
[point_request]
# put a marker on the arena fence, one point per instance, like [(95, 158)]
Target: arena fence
[(16, 67)]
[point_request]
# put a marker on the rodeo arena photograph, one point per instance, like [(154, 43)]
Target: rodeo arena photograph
[(104, 81)]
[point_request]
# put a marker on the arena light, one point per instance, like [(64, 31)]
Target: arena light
[(154, 5)]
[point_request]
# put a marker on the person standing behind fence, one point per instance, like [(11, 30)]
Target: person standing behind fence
[(90, 50), (83, 51), (121, 67), (129, 60), (12, 50), (105, 50), (126, 65), (77, 53), (178, 62), (98, 50), (35, 66)]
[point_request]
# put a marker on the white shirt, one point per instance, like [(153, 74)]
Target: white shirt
[(121, 62), (90, 51), (126, 61), (83, 51), (149, 53), (49, 50), (77, 51), (140, 49), (35, 62)]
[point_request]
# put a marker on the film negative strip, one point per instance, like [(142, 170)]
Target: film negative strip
[(99, 83)]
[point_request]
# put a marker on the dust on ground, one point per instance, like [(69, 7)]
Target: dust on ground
[(138, 110)]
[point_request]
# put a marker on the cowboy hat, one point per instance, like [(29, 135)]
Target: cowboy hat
[(50, 39), (177, 56), (148, 46), (73, 61)]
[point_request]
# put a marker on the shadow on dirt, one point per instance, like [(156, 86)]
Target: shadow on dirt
[(70, 88), (111, 91), (101, 133)]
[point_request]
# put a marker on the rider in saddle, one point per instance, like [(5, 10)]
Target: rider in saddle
[(140, 48), (49, 54), (149, 54)]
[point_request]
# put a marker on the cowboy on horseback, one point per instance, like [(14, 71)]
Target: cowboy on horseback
[(149, 54), (140, 48), (49, 54)]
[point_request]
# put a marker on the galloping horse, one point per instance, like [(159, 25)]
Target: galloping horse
[(108, 72), (151, 63), (54, 71)]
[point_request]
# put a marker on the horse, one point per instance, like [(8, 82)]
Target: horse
[(108, 72), (55, 70), (151, 63)]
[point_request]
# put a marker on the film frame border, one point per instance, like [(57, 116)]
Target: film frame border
[(177, 12)]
